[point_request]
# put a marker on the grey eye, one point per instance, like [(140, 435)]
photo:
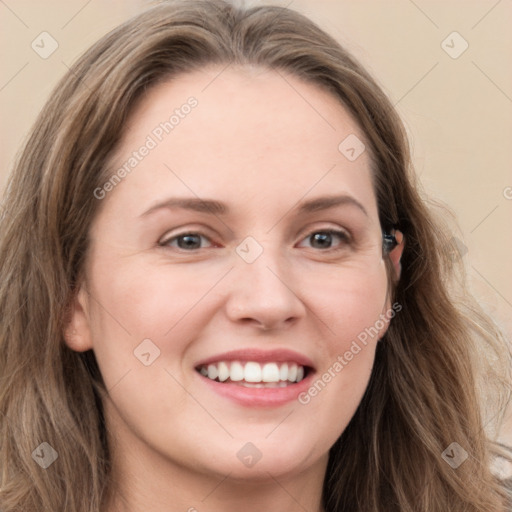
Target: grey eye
[(389, 242), (326, 239), (186, 241)]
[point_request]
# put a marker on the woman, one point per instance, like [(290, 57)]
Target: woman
[(221, 288)]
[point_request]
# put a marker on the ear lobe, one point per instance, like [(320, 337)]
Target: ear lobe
[(77, 332), (396, 253)]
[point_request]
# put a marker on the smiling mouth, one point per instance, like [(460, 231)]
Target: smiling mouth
[(251, 374)]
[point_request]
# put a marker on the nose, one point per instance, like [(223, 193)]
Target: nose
[(265, 294)]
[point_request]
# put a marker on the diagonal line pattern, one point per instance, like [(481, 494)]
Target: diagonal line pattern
[(2, 2), (215, 488), (71, 71), (287, 492), (501, 411), (76, 14), (491, 80), (424, 14), (417, 83), (488, 215), (279, 424), (486, 14), (200, 404), (215, 77), (14, 76), (118, 381), (108, 312), (305, 99), (493, 287)]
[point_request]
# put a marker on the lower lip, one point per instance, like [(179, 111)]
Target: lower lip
[(259, 397)]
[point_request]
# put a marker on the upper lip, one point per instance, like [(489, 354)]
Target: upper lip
[(260, 356)]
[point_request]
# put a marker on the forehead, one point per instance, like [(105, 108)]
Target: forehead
[(251, 132)]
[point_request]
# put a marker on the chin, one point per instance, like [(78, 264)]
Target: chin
[(258, 458)]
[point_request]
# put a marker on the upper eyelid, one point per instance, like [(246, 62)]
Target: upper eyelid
[(200, 230), (309, 231)]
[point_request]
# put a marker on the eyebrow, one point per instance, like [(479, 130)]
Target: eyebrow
[(218, 208)]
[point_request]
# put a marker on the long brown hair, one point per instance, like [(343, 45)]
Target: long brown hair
[(427, 386)]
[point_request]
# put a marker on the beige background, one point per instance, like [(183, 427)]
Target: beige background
[(458, 111)]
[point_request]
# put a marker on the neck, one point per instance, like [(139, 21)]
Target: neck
[(218, 495), (143, 481)]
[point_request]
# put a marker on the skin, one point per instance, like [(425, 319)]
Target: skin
[(254, 143)]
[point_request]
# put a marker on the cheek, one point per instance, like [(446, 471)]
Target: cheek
[(352, 307), (350, 304), (131, 304), (143, 319)]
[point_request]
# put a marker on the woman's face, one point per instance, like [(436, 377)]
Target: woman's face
[(238, 253)]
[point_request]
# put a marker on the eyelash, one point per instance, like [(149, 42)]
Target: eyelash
[(343, 236)]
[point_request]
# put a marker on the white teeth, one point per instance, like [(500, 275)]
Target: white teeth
[(283, 372), (213, 372), (254, 374), (270, 373), (237, 371), (223, 371), (292, 372)]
